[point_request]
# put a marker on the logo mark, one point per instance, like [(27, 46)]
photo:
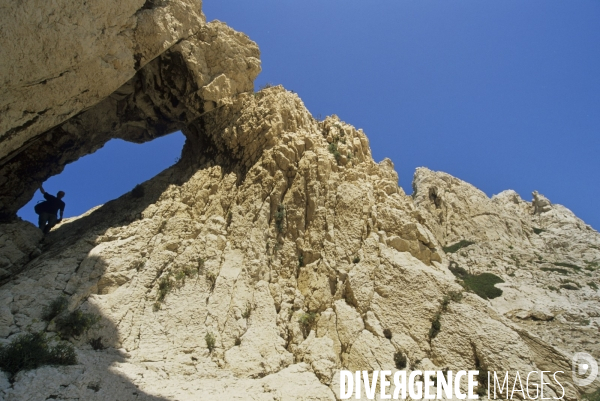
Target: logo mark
[(585, 369)]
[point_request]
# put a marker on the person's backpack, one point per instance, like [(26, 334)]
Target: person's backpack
[(40, 207)]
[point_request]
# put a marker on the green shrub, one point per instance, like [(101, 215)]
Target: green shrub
[(436, 325), (387, 333), (482, 284), (279, 216), (569, 265), (96, 344), (300, 260), (246, 313), (165, 285), (595, 396), (400, 360), (356, 259), (75, 323), (307, 319), (55, 308), (593, 285), (31, 350), (555, 269), (210, 341), (212, 279), (538, 230), (453, 248), (451, 296), (569, 286)]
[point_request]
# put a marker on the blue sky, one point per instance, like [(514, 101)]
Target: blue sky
[(502, 94)]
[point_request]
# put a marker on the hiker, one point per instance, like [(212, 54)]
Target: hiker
[(48, 210)]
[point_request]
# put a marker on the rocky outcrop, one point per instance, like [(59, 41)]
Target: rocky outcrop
[(298, 261), (160, 68), (547, 256), (276, 251)]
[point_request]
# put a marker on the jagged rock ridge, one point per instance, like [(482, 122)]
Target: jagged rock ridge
[(287, 243)]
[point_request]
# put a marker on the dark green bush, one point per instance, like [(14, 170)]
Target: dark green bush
[(569, 265), (461, 244), (481, 284), (436, 325), (55, 308), (400, 360), (555, 269), (279, 216), (538, 230), (75, 323), (593, 285), (387, 333), (210, 341), (595, 396), (569, 286), (356, 260), (300, 260), (31, 350)]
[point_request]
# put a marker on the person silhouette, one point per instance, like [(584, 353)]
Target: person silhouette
[(48, 210)]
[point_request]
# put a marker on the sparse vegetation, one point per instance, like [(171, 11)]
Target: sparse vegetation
[(569, 265), (210, 341), (31, 350), (555, 269), (569, 286), (246, 313), (229, 218), (482, 284), (593, 285), (400, 360), (300, 260), (538, 230), (75, 323), (212, 279), (455, 247), (595, 396), (436, 325), (96, 344), (356, 259), (553, 288), (387, 333), (333, 149), (279, 217), (55, 308), (307, 320)]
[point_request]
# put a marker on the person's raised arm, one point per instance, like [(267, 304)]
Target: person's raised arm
[(62, 209)]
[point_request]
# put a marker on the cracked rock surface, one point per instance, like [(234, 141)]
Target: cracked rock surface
[(294, 259), (276, 251)]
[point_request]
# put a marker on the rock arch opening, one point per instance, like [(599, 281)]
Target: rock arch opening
[(108, 173)]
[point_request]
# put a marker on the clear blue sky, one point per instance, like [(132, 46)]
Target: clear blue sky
[(502, 94)]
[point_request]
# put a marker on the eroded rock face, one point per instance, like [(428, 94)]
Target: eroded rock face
[(275, 235), (295, 255), (62, 57), (547, 256), (185, 68)]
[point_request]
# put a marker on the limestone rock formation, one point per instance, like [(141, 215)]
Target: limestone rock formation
[(275, 252)]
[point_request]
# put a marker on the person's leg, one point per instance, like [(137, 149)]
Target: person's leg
[(42, 221), (51, 222)]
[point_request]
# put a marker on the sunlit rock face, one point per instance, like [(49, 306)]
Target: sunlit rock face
[(277, 242)]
